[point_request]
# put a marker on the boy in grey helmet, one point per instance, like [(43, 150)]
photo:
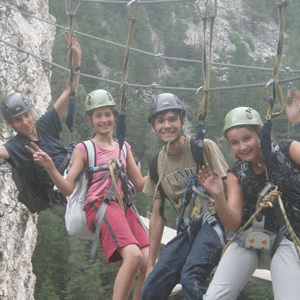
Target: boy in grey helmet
[(190, 257), (18, 113)]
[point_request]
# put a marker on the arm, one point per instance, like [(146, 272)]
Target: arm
[(230, 212), (134, 173), (156, 228), (62, 102), (65, 185), (295, 152), (4, 153), (293, 109)]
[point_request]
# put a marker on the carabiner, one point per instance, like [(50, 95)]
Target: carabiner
[(270, 82), (128, 6)]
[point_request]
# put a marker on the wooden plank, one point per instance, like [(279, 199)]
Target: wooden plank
[(262, 277)]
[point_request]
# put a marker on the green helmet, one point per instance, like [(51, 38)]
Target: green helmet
[(14, 105), (162, 102), (242, 116), (98, 98)]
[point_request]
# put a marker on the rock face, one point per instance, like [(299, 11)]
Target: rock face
[(21, 72)]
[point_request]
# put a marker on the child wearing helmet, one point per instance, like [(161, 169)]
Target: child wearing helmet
[(263, 244), (189, 257), (122, 236), (19, 115)]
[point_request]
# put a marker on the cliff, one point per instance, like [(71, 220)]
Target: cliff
[(21, 72)]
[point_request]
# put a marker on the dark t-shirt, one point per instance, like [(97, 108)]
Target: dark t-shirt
[(20, 158), (284, 173)]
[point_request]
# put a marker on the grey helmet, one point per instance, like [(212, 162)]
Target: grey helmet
[(14, 105), (163, 102)]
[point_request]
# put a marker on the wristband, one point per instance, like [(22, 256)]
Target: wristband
[(77, 68)]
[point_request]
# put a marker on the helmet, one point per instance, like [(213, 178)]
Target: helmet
[(98, 98), (162, 102), (242, 116), (14, 105)]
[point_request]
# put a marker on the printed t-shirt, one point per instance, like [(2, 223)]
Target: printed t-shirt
[(180, 168)]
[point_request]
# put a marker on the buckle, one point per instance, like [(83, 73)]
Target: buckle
[(109, 196)]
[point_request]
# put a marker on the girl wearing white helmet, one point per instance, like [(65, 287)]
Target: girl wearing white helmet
[(122, 237), (261, 245)]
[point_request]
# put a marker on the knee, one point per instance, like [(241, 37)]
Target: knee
[(135, 259)]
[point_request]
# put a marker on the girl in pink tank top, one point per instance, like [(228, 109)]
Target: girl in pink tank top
[(122, 237)]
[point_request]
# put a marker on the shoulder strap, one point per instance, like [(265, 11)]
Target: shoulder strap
[(91, 153), (124, 149), (153, 172), (197, 152)]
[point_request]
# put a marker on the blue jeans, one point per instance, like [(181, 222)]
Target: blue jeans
[(185, 261)]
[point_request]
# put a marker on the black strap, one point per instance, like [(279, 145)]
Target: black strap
[(153, 172)]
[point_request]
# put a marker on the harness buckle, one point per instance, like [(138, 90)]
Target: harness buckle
[(184, 225), (119, 163), (109, 196), (209, 218)]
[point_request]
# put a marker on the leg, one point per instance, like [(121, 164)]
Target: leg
[(143, 269), (285, 272), (203, 257), (234, 271), (166, 273), (132, 260)]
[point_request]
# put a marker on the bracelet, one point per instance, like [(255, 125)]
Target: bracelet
[(297, 126), (77, 68)]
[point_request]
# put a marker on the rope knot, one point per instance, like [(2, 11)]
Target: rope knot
[(268, 200)]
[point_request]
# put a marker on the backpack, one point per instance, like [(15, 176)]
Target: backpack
[(75, 218), (34, 196)]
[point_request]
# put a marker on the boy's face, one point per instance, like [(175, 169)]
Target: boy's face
[(23, 123), (168, 127)]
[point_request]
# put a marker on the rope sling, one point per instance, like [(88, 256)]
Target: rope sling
[(121, 124), (71, 103)]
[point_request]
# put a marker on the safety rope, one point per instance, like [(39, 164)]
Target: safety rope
[(281, 7), (266, 202), (289, 227), (112, 165), (206, 64), (121, 125), (126, 59)]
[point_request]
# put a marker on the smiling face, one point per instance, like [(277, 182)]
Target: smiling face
[(103, 120), (244, 143), (168, 127), (23, 123)]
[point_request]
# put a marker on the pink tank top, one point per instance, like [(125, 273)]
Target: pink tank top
[(99, 188)]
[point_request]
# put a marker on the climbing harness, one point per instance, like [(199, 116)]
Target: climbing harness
[(265, 202)]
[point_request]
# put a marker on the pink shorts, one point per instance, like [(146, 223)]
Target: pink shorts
[(117, 230)]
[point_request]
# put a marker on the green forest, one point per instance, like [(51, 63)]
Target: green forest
[(60, 262)]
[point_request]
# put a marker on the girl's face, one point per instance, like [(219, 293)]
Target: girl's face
[(244, 143), (103, 120)]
